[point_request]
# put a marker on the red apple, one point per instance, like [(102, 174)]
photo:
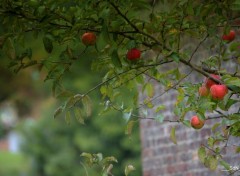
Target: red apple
[(218, 91), (196, 122), (209, 82), (230, 36), (203, 91), (133, 54), (89, 38)]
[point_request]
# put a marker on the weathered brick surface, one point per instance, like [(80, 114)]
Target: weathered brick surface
[(160, 157)]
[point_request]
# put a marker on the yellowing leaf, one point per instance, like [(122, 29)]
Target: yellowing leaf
[(180, 96), (150, 90), (173, 135), (58, 112), (129, 127), (109, 159), (87, 103), (78, 115), (202, 154), (70, 102), (159, 108), (68, 117), (213, 162), (129, 169)]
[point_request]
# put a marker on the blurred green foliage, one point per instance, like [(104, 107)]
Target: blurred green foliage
[(12, 164), (54, 147)]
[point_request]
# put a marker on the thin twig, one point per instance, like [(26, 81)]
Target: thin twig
[(168, 89), (200, 43), (143, 118), (133, 26)]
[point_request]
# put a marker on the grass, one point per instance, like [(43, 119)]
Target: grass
[(12, 164)]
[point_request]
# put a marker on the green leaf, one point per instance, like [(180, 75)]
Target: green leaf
[(99, 156), (159, 108), (87, 103), (68, 117), (236, 5), (139, 79), (225, 164), (141, 4), (232, 81), (104, 31), (175, 57), (127, 115), (115, 58), (103, 90), (128, 169), (211, 141), (58, 112), (235, 129), (186, 123), (86, 155), (47, 42), (230, 102), (10, 49), (148, 103), (201, 115), (70, 102), (180, 96), (190, 9), (202, 154), (213, 162), (159, 118), (129, 128), (109, 159), (150, 90), (215, 126), (2, 40), (173, 135), (78, 115), (235, 116), (206, 162)]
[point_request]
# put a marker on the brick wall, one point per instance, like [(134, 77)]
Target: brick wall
[(160, 156)]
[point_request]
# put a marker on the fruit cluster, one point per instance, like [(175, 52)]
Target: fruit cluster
[(89, 38), (217, 91)]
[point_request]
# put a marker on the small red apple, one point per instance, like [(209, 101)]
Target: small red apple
[(89, 38), (203, 91), (209, 82), (196, 122), (133, 54), (218, 91), (230, 36)]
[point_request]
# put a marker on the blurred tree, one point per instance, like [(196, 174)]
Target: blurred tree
[(55, 147), (12, 164)]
